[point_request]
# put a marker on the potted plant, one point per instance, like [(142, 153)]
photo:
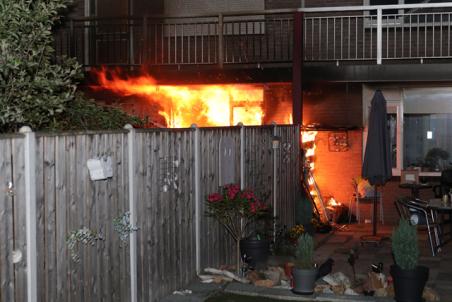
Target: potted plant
[(305, 271), (237, 210), (409, 278)]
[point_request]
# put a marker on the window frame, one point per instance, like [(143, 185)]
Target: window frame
[(394, 104)]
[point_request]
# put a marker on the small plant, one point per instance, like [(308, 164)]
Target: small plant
[(237, 210), (305, 252), (123, 227), (405, 245), (84, 236)]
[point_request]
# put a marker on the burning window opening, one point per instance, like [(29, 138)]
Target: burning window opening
[(183, 105)]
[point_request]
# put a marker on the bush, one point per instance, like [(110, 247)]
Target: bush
[(83, 114), (305, 252), (405, 245), (34, 91)]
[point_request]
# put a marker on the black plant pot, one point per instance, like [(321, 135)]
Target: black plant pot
[(409, 284), (255, 252)]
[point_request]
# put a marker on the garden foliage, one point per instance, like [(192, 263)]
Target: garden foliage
[(305, 252), (405, 245), (34, 90)]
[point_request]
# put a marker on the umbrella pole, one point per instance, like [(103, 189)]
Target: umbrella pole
[(374, 218)]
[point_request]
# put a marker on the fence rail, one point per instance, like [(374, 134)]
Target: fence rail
[(154, 178), (370, 33)]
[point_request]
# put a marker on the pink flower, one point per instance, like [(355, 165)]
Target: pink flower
[(232, 190), (214, 197), (253, 207), (248, 195)]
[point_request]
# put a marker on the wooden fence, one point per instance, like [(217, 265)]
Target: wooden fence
[(161, 176)]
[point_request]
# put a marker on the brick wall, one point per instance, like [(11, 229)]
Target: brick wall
[(334, 171)]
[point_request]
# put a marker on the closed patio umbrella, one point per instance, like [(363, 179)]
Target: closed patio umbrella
[(377, 167)]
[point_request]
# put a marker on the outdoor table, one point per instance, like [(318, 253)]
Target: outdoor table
[(415, 188)]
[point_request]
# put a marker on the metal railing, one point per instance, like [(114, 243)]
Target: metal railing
[(364, 33)]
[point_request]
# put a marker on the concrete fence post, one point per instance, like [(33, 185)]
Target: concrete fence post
[(242, 156), (132, 210), (275, 148), (197, 189), (30, 211)]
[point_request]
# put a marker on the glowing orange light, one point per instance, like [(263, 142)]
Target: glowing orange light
[(289, 120), (332, 202), (181, 106), (313, 193), (310, 152), (308, 136)]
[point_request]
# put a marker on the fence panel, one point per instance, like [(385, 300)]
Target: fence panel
[(217, 248), (165, 208), (288, 162), (67, 201), (259, 161)]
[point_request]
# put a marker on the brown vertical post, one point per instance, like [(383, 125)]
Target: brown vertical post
[(297, 67)]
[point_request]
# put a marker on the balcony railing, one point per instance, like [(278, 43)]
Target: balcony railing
[(416, 32)]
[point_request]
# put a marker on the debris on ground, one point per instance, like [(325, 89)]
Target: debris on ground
[(184, 292)]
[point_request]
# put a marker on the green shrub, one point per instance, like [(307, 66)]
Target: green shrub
[(305, 252), (83, 114), (34, 91), (405, 245)]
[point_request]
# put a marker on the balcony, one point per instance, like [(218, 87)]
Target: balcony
[(335, 36)]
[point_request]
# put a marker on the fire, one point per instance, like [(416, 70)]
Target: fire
[(333, 203), (182, 106)]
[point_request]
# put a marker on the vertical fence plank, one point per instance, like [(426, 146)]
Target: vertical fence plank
[(7, 284)]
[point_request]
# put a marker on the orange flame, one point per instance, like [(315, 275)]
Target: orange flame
[(181, 106), (332, 202)]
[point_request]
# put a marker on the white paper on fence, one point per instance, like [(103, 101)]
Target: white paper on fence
[(107, 166), (100, 168)]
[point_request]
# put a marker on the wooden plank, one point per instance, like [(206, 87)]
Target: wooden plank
[(6, 223), (92, 292), (40, 221), (79, 215), (63, 257), (20, 240), (71, 213), (49, 249)]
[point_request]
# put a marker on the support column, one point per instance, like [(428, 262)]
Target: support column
[(197, 181), (30, 212), (297, 68)]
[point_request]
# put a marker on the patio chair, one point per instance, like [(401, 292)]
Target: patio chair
[(417, 212), (364, 194)]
